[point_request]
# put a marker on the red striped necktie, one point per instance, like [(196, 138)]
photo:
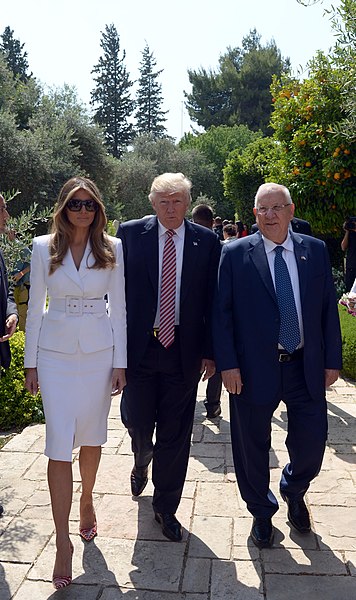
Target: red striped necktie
[(168, 292)]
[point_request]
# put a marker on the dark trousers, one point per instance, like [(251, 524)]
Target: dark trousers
[(156, 396), (213, 390), (251, 442)]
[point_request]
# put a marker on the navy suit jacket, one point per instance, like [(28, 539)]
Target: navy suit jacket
[(246, 317), (7, 307), (199, 271)]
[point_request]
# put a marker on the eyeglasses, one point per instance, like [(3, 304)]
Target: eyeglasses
[(75, 205), (263, 210)]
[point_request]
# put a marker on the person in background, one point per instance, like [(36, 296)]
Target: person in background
[(21, 279), (229, 233), (276, 337), (241, 229), (348, 245), (203, 215), (75, 350), (218, 228), (170, 269), (8, 309)]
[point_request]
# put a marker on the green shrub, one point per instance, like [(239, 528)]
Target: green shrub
[(339, 282), (18, 407), (348, 331)]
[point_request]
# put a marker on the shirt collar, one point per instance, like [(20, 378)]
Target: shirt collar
[(179, 231), (270, 246)]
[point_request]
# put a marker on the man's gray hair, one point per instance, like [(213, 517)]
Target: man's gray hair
[(271, 187)]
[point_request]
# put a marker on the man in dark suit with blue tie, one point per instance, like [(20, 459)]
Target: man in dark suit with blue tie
[(170, 271), (8, 309), (276, 337)]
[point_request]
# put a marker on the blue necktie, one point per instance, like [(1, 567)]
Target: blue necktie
[(289, 333)]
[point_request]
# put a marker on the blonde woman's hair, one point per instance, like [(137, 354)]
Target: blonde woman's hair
[(62, 230)]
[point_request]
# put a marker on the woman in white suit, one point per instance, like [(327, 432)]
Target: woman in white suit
[(75, 350)]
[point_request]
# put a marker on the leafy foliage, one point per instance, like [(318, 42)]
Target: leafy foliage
[(24, 227), (316, 164), (149, 116), (238, 92), (15, 55), (216, 145), (348, 331), (111, 96), (344, 24), (245, 171), (18, 407)]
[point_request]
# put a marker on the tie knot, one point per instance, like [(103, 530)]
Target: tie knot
[(170, 233), (278, 250)]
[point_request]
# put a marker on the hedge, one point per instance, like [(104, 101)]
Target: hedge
[(18, 407), (348, 331)]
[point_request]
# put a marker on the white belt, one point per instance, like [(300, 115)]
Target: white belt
[(77, 305)]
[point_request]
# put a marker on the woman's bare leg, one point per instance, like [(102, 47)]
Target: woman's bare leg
[(89, 459), (60, 481)]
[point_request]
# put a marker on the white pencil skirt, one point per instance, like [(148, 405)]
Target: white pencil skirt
[(76, 395)]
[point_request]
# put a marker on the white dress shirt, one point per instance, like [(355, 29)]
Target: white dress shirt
[(289, 257), (178, 239)]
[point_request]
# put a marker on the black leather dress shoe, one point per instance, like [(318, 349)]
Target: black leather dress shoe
[(171, 527), (298, 514), (138, 480), (262, 532), (1, 510), (213, 411)]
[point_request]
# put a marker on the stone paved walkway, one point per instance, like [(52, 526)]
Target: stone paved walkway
[(131, 559)]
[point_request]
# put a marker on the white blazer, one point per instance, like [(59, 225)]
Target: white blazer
[(57, 330)]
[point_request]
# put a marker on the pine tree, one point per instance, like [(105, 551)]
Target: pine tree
[(111, 96), (15, 56), (149, 116)]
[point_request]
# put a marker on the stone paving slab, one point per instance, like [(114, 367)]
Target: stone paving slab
[(131, 560)]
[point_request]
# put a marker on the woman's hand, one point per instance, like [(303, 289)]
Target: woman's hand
[(31, 382), (118, 380)]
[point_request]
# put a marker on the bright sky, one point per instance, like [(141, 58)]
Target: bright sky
[(62, 38)]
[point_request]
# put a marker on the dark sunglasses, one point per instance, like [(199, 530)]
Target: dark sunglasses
[(75, 205)]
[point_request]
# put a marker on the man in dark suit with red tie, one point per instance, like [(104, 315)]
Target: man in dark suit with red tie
[(8, 309), (276, 337), (170, 271)]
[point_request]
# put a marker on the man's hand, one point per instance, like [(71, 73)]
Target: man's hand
[(207, 368), (118, 381), (232, 381), (10, 327), (331, 375), (31, 382)]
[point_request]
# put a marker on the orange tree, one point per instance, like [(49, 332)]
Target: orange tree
[(318, 162)]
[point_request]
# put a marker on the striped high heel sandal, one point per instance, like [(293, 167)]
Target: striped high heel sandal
[(62, 581), (88, 533)]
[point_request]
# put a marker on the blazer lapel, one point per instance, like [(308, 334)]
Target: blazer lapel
[(70, 269), (258, 257), (190, 256), (302, 260), (87, 261), (149, 244)]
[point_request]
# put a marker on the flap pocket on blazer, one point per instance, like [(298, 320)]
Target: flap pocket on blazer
[(55, 315)]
